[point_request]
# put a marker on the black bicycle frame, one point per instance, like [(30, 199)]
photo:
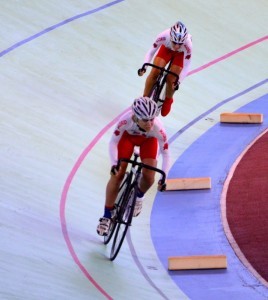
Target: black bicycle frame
[(125, 207), (161, 80)]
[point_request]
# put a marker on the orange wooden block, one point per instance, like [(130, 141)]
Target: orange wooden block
[(241, 118), (197, 262), (188, 183)]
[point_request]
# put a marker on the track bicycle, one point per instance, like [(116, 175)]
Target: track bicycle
[(125, 203), (157, 92)]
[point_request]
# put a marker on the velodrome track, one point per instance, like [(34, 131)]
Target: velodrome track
[(68, 72)]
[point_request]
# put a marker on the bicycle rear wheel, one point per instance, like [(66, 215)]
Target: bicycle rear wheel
[(124, 221), (118, 202)]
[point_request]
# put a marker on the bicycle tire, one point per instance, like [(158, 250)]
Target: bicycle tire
[(118, 201), (124, 221)]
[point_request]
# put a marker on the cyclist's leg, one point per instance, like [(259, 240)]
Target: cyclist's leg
[(113, 186), (112, 189), (148, 154), (176, 68), (146, 181), (162, 57), (152, 77), (125, 150), (147, 178)]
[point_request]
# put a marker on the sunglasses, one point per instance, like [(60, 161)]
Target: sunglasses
[(147, 120), (177, 43)]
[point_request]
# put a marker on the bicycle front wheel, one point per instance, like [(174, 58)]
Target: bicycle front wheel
[(124, 221), (112, 227)]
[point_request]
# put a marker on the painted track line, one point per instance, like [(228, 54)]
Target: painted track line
[(104, 130)]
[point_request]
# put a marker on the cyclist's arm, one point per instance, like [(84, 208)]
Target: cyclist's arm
[(160, 40), (113, 150), (188, 46), (187, 58), (150, 54), (165, 158), (121, 126), (163, 147)]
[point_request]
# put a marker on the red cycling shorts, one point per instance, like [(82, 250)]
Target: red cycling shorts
[(167, 54), (148, 146)]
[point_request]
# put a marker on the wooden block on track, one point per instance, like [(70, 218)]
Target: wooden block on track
[(241, 118), (188, 183), (197, 262)]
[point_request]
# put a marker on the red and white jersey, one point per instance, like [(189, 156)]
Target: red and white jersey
[(126, 123), (164, 39)]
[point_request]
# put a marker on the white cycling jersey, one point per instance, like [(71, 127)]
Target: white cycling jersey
[(164, 39), (126, 123)]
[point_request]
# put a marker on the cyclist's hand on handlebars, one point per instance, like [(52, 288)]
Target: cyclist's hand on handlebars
[(114, 170), (141, 72), (161, 186)]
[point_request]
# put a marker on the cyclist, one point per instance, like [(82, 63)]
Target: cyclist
[(138, 127), (173, 43)]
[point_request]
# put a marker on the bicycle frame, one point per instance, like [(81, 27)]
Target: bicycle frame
[(155, 93), (125, 203)]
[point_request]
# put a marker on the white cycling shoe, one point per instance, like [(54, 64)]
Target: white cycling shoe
[(103, 227)]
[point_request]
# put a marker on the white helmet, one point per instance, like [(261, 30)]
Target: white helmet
[(178, 33), (144, 108)]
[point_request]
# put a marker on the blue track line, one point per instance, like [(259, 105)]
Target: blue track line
[(62, 23)]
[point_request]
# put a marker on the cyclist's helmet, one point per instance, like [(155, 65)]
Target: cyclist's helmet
[(178, 33), (144, 108)]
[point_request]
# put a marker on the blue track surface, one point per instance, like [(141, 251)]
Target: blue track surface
[(189, 222)]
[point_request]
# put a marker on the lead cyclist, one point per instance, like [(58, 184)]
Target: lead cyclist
[(137, 128)]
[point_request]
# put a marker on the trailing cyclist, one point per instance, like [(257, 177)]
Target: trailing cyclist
[(174, 43), (137, 128)]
